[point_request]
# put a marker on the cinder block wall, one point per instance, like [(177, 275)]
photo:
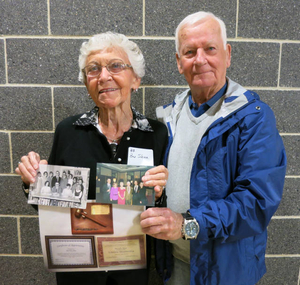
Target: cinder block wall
[(39, 45)]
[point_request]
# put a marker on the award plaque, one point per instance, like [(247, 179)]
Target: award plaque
[(95, 219), (121, 250)]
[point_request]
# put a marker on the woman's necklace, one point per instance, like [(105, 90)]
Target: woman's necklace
[(112, 142), (115, 141)]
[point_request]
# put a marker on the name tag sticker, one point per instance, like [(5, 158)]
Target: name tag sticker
[(140, 156)]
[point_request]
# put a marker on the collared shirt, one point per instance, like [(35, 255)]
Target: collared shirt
[(92, 118), (197, 111)]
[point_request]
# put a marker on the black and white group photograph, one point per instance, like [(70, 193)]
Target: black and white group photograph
[(60, 186)]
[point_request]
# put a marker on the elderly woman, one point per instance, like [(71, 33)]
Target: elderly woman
[(111, 67)]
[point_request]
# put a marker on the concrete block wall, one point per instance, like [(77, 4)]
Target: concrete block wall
[(39, 45)]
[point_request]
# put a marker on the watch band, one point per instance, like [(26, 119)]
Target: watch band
[(187, 216)]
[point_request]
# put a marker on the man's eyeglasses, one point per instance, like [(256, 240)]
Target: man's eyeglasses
[(114, 66)]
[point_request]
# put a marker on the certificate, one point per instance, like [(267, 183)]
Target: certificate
[(70, 252), (121, 250)]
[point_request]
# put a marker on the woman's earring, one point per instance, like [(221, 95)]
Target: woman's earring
[(89, 96)]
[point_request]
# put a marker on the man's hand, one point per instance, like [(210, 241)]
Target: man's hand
[(162, 223), (28, 165), (156, 177)]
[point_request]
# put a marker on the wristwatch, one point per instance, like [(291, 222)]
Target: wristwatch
[(190, 227)]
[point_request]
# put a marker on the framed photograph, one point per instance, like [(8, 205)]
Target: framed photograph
[(61, 186), (121, 250), (121, 184), (70, 252)]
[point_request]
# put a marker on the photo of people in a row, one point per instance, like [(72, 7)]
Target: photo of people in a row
[(65, 184), (54, 186), (122, 185)]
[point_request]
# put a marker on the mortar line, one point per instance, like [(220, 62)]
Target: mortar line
[(146, 86), (19, 235), (27, 131), (144, 104), (48, 15), (279, 65), (19, 216), (167, 38), (282, 255), (10, 153), (5, 60), (237, 18), (144, 17), (21, 255), (285, 217), (53, 113)]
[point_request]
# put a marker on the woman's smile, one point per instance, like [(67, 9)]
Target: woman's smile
[(108, 90)]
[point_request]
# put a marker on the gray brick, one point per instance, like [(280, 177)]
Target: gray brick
[(25, 270), (137, 100), (11, 186), (4, 153), (71, 101), (281, 271), (158, 97), (292, 146), (161, 67), (8, 236), (269, 19), (19, 17), (290, 61), (285, 105), (26, 108), (2, 63), (22, 143), (88, 18), (30, 236), (162, 17), (43, 61), (289, 205), (283, 236), (254, 64)]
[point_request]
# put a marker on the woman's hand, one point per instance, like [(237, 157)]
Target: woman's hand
[(156, 177), (28, 166)]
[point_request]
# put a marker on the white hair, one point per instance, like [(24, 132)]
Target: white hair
[(194, 18), (108, 40)]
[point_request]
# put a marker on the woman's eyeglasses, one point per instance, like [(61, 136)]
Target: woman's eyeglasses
[(114, 66)]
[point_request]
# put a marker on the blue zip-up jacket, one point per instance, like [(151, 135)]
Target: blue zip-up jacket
[(236, 185)]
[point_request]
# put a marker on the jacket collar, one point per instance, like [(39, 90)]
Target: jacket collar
[(235, 98), (91, 118)]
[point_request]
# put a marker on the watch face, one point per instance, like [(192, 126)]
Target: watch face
[(191, 229)]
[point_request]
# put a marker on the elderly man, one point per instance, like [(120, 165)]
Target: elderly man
[(55, 179), (226, 165)]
